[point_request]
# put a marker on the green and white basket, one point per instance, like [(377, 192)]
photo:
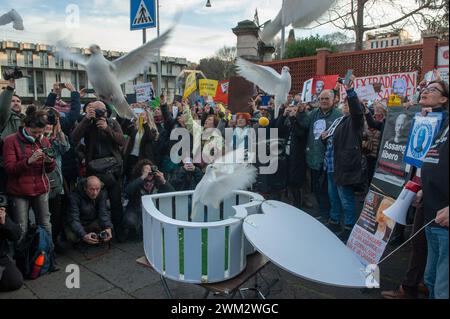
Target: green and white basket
[(209, 248)]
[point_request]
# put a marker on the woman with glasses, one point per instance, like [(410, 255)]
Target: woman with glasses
[(433, 199)]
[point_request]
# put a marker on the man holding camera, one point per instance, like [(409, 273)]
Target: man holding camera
[(11, 117), (186, 177), (103, 140), (10, 277), (89, 219)]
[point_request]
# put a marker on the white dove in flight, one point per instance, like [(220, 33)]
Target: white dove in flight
[(267, 79), (14, 17), (106, 76), (225, 175), (299, 13)]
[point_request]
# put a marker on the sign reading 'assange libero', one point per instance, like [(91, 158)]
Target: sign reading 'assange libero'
[(391, 172)]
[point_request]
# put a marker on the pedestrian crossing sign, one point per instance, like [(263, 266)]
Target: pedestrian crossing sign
[(142, 14)]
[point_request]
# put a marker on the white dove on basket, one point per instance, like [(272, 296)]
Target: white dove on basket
[(299, 13), (267, 79), (226, 174), (14, 17), (106, 76)]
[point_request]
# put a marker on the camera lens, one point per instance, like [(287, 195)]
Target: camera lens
[(3, 201)]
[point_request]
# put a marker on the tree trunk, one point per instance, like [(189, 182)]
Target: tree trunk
[(359, 27)]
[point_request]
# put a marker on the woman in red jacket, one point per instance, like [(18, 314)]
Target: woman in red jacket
[(26, 166)]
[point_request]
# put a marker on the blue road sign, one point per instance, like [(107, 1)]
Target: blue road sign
[(142, 14)]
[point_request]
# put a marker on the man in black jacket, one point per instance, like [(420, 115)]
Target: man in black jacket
[(345, 164), (10, 277), (89, 219)]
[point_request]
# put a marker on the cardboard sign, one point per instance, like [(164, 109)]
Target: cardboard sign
[(423, 131), (307, 91), (443, 62), (391, 171), (373, 229), (208, 87), (144, 92), (191, 85), (222, 92), (367, 92), (387, 83)]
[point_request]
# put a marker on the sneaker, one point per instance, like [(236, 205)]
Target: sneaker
[(334, 226)]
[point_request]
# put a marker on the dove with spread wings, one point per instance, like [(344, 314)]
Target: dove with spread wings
[(107, 76), (299, 13), (14, 17), (227, 173), (267, 79)]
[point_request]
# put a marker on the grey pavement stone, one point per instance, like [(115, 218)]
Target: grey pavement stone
[(121, 269), (134, 248), (152, 291), (22, 293), (113, 294), (53, 286)]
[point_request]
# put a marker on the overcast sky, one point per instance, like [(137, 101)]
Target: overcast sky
[(200, 33)]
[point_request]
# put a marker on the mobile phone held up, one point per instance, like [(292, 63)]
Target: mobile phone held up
[(89, 91), (346, 80)]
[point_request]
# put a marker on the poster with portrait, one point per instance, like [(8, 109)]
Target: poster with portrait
[(391, 172), (307, 91), (144, 92), (373, 229), (423, 131), (406, 82)]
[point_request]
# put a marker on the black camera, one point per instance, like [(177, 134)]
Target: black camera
[(3, 201), (50, 152), (102, 235), (51, 117), (155, 169), (12, 73), (100, 113)]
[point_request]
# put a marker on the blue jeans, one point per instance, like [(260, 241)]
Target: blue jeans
[(341, 196), (436, 272)]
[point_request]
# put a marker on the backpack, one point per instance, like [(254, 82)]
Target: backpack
[(37, 241)]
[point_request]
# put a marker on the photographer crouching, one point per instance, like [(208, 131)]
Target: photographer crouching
[(10, 276), (103, 140), (89, 219)]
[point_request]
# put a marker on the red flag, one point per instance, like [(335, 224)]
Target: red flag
[(222, 92)]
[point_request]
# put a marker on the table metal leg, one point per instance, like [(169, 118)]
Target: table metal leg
[(166, 287)]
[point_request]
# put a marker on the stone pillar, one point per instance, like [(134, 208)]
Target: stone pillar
[(247, 40), (322, 54), (430, 48)]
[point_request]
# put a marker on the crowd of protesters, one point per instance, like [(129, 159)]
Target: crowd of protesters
[(82, 170)]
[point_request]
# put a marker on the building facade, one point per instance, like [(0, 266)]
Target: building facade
[(42, 68), (381, 40)]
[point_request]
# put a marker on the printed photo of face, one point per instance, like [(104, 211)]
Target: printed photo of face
[(399, 87), (400, 128), (319, 87)]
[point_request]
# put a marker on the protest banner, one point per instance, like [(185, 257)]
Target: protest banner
[(222, 92), (373, 229), (443, 62), (191, 85), (144, 92), (324, 82), (391, 171), (409, 80), (208, 87), (423, 131)]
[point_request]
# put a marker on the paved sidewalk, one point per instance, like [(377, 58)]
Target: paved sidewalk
[(114, 274)]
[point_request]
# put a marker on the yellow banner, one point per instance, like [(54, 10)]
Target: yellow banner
[(208, 87), (191, 85)]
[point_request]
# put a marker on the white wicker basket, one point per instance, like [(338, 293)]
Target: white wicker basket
[(211, 248)]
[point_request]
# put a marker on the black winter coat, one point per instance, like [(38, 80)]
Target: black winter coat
[(350, 167), (84, 211), (297, 154)]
